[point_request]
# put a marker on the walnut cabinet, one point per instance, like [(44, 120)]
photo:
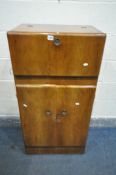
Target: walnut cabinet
[(56, 68)]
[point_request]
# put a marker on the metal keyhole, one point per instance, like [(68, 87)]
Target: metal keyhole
[(57, 42)]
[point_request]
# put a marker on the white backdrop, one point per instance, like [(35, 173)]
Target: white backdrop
[(101, 14)]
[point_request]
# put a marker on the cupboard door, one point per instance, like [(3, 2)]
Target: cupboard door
[(76, 55), (73, 114), (37, 111), (55, 115)]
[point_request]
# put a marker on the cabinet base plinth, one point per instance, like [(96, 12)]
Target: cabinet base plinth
[(55, 150)]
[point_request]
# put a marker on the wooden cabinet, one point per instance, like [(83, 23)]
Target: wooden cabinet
[(55, 70)]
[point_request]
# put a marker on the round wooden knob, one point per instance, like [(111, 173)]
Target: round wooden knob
[(64, 113), (48, 113)]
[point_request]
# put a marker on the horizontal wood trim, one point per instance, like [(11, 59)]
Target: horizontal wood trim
[(52, 86), (24, 77), (55, 81), (54, 150), (106, 91)]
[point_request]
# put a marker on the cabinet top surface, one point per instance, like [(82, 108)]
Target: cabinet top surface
[(56, 29)]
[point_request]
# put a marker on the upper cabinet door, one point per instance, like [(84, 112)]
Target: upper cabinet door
[(60, 55)]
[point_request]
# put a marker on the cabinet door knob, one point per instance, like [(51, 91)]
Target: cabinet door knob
[(48, 113), (25, 105), (57, 42), (64, 113)]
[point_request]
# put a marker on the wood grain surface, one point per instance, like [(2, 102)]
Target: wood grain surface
[(56, 70), (36, 55), (55, 129)]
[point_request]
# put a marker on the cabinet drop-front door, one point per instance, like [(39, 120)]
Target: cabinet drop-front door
[(74, 55)]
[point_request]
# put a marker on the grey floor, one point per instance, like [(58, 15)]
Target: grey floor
[(99, 159)]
